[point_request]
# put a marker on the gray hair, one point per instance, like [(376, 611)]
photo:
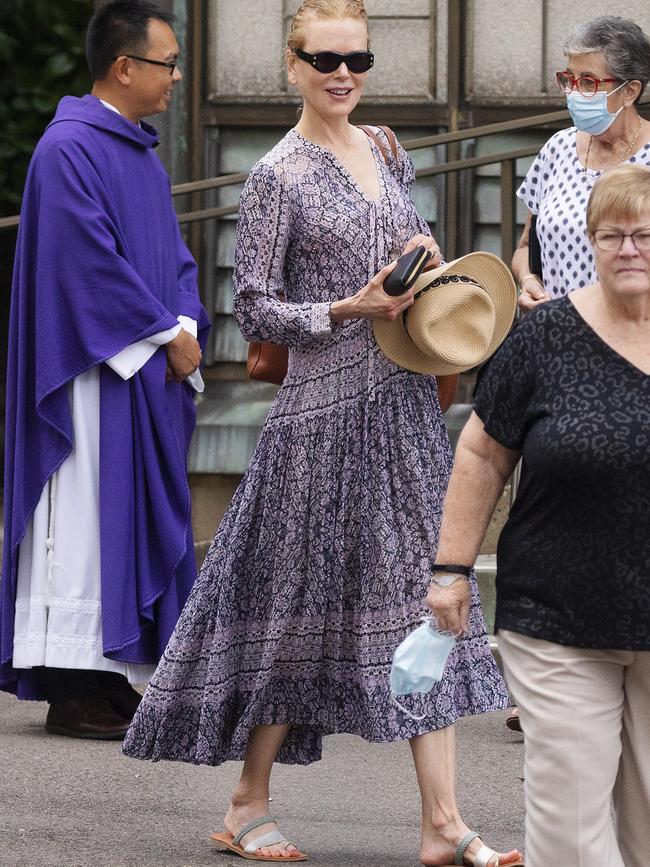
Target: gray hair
[(622, 43)]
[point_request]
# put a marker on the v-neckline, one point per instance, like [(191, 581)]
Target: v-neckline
[(344, 171), (602, 340)]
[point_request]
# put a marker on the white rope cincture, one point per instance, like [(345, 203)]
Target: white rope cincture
[(51, 562)]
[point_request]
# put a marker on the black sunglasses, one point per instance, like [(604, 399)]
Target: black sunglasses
[(329, 61)]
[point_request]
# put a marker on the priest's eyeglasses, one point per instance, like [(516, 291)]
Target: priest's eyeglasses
[(169, 64), (611, 241)]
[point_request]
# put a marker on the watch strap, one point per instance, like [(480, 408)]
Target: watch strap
[(453, 568)]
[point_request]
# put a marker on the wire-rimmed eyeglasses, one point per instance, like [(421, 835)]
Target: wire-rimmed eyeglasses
[(611, 241), (169, 64)]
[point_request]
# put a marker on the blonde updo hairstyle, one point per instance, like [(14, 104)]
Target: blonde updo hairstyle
[(322, 9)]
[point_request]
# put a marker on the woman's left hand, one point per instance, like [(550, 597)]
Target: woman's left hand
[(429, 243), (450, 605)]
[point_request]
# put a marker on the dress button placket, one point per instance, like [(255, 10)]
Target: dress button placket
[(375, 248)]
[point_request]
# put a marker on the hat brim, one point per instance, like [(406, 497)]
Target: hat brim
[(488, 271)]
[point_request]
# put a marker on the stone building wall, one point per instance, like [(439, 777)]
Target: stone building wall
[(512, 48), (409, 32)]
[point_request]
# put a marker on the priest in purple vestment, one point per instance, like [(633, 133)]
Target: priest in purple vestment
[(106, 329)]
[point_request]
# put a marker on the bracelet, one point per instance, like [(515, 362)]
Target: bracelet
[(454, 568), (536, 276)]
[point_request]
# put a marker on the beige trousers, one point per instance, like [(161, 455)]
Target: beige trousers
[(586, 721)]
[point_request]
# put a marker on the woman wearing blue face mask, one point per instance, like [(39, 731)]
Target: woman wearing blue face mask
[(608, 67)]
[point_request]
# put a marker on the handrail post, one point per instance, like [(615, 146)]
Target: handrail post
[(197, 13), (455, 95), (508, 209)]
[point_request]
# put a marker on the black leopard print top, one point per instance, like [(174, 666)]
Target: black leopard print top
[(574, 556)]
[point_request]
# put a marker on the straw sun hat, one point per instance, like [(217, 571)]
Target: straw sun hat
[(462, 312)]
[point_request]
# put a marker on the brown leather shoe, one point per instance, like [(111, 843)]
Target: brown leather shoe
[(89, 717), (121, 696), (123, 699), (513, 722)]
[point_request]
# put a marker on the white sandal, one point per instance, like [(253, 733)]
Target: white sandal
[(483, 858)]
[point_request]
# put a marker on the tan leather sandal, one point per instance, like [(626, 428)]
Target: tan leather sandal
[(230, 843)]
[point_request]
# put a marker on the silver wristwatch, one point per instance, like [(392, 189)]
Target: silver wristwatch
[(444, 579)]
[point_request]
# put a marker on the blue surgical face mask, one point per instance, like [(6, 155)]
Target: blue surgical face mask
[(419, 661), (590, 113)]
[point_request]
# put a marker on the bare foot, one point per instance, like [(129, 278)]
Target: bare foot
[(438, 847), (241, 813)]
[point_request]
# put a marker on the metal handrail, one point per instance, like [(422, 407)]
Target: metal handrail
[(8, 222), (531, 121), (475, 162), (506, 158), (441, 168), (209, 183)]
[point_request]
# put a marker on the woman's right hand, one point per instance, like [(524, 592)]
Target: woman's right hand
[(371, 302), (532, 294)]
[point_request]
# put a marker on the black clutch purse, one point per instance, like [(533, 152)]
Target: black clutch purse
[(406, 272), (534, 250)]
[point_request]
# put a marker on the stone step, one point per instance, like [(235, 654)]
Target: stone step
[(229, 419)]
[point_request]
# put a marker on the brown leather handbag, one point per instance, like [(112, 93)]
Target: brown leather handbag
[(267, 362)]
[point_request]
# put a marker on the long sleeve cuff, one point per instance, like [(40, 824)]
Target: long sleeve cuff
[(194, 379), (321, 321), (129, 360), (132, 358)]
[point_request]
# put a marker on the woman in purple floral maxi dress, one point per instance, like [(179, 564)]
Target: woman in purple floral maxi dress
[(322, 562)]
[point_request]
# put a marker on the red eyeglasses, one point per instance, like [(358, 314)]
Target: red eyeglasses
[(587, 85)]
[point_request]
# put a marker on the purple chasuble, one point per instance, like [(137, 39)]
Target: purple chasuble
[(100, 264)]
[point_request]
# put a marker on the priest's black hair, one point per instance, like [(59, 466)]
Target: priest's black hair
[(120, 27)]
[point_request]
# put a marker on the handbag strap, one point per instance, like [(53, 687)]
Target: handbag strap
[(447, 385), (391, 137)]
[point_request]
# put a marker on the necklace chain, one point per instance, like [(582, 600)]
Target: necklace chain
[(629, 150)]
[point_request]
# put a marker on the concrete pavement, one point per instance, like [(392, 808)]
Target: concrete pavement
[(71, 803)]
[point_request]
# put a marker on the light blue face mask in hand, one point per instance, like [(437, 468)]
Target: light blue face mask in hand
[(419, 661)]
